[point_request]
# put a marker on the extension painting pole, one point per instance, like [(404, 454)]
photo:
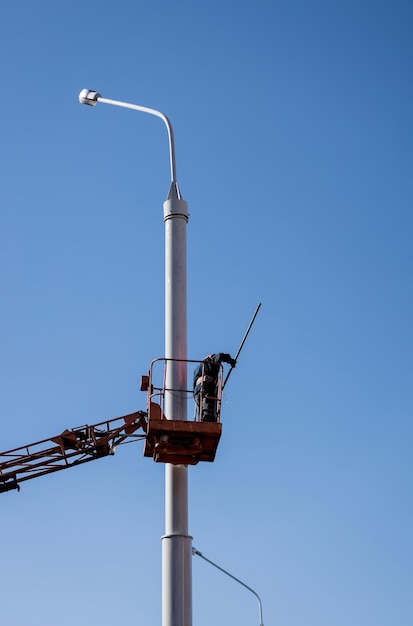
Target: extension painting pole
[(176, 543), (242, 343)]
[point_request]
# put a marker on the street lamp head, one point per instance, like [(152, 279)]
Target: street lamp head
[(89, 97)]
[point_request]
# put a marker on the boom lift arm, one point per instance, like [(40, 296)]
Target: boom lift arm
[(179, 442), (71, 447)]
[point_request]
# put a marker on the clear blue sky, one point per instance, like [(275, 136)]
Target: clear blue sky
[(293, 124)]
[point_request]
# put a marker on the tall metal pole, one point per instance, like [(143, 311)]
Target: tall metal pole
[(176, 543)]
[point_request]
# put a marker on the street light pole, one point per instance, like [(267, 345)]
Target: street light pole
[(176, 543), (198, 553)]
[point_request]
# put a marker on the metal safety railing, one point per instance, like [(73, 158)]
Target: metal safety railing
[(156, 386)]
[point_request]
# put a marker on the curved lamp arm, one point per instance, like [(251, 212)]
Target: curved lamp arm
[(91, 98), (195, 551)]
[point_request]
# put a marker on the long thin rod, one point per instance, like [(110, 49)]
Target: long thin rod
[(195, 551), (242, 342)]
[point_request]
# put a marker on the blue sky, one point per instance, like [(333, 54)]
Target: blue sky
[(293, 125)]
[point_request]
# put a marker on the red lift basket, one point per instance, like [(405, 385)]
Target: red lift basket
[(179, 442)]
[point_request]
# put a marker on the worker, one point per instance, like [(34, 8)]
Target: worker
[(206, 376)]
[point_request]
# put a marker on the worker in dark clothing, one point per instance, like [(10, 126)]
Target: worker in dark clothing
[(206, 376)]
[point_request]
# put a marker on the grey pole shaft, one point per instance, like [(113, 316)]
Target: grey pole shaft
[(176, 543)]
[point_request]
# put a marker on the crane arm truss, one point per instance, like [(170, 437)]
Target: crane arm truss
[(72, 447)]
